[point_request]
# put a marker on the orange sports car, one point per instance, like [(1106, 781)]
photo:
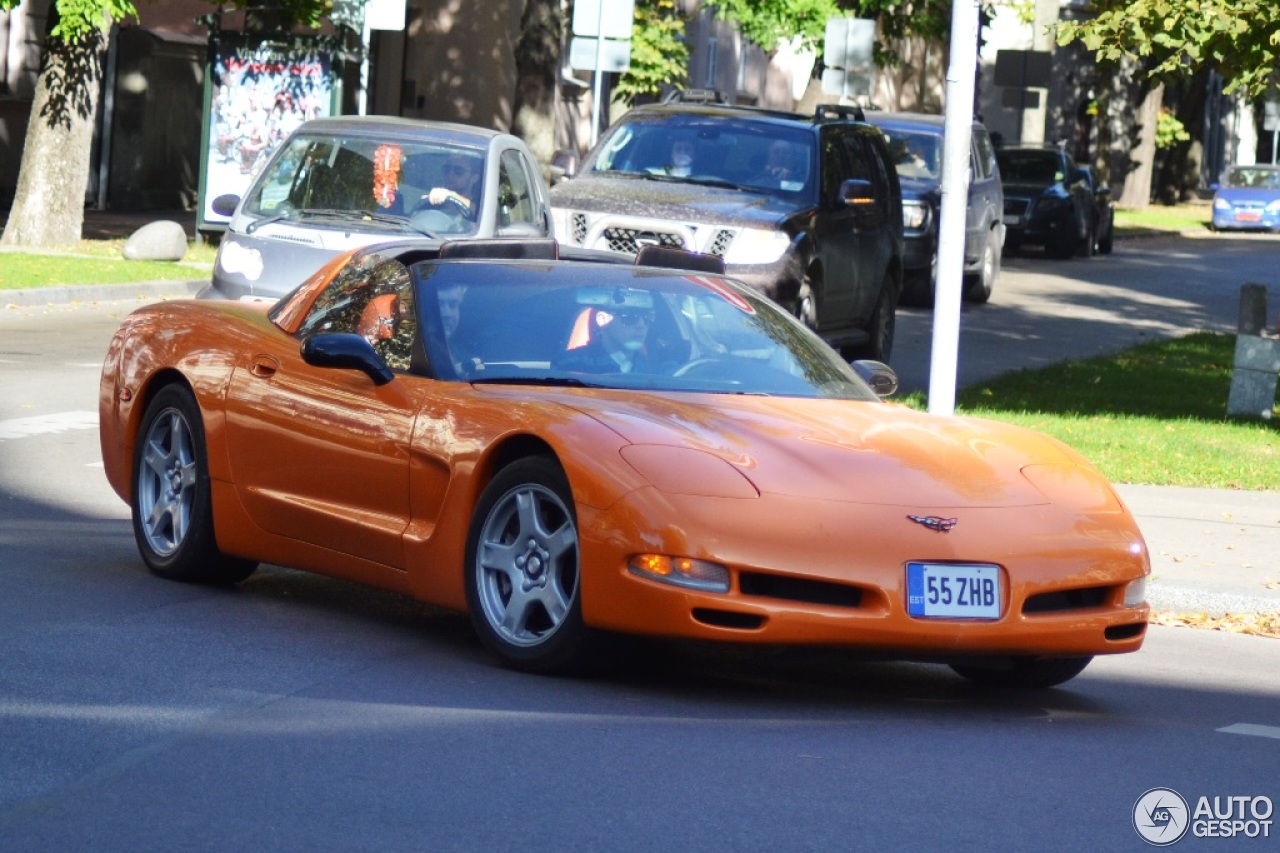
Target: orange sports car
[(567, 448)]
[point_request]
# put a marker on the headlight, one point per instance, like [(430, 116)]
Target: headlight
[(681, 571), (1273, 207), (1221, 204), (1073, 487), (915, 215), (1051, 203), (235, 258), (1135, 593), (757, 246)]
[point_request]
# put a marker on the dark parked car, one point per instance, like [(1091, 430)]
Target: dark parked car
[(804, 208), (1047, 201), (915, 142), (340, 183)]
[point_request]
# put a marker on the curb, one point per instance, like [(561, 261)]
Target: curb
[(71, 294)]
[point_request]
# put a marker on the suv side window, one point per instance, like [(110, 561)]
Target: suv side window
[(984, 161)]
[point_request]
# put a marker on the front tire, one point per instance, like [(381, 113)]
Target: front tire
[(1025, 673), (880, 329), (523, 583), (171, 504)]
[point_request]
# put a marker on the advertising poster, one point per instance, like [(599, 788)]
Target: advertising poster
[(258, 95)]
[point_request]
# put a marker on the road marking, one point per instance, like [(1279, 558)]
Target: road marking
[(1252, 729), (46, 424)]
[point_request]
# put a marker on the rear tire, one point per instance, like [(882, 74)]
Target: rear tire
[(171, 504), (978, 287), (1025, 673)]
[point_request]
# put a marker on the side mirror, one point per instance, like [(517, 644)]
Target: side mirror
[(856, 193), (225, 205), (1103, 192), (564, 164), (346, 351), (880, 376)]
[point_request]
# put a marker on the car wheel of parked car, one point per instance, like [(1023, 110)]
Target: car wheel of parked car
[(978, 287), (171, 504), (1106, 244), (1025, 672), (880, 328), (1089, 245), (523, 582)]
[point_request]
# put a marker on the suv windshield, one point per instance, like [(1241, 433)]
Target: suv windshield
[(915, 154), (326, 175), (752, 155)]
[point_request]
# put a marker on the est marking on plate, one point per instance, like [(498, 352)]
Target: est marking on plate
[(953, 591)]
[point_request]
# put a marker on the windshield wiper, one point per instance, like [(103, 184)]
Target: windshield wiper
[(554, 381)]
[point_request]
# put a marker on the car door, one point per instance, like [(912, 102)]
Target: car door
[(322, 455), (849, 236), (986, 197)]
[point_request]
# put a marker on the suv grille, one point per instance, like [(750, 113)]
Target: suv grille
[(578, 224), (720, 244), (629, 240)]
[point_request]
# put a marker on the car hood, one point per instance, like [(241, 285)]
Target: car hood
[(856, 452), (1033, 190), (1238, 194), (914, 188), (670, 200)]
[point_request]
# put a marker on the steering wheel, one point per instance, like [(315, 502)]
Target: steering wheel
[(459, 208)]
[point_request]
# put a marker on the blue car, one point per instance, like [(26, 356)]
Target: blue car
[(1248, 198)]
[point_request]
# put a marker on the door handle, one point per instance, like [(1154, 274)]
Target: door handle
[(264, 367)]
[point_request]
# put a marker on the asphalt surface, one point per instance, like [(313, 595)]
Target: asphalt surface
[(1212, 550)]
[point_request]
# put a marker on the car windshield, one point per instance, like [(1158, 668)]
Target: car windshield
[(751, 155), (319, 177), (1029, 167), (915, 154), (543, 323), (1263, 177)]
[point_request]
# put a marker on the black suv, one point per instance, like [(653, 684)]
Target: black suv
[(916, 144), (806, 209)]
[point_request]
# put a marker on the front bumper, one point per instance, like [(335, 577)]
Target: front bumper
[(825, 573)]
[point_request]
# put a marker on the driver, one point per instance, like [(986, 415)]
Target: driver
[(458, 176), (617, 343)]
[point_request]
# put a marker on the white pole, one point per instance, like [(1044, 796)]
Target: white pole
[(958, 134), (596, 96)]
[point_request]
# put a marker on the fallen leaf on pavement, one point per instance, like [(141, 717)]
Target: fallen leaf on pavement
[(1258, 624)]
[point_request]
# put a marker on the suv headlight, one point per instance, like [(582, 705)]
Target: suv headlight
[(915, 215), (757, 246)]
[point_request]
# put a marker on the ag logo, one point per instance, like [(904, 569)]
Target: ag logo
[(1161, 817)]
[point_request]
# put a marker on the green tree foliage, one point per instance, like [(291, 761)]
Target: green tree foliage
[(48, 205), (659, 51), (1238, 38)]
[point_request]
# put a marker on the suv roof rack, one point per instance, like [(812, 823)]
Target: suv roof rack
[(838, 112), (696, 96)]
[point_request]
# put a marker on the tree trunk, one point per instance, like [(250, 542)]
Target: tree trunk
[(48, 206), (537, 76), (1137, 185)]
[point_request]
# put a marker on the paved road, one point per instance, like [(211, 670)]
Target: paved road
[(301, 713)]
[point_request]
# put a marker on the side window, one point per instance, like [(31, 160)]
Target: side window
[(834, 168), (374, 301), (515, 191), (984, 160)]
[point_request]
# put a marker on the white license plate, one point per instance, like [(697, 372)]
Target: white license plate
[(953, 591), (1011, 219)]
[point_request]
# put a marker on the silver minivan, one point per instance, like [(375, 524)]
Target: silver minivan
[(336, 184)]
